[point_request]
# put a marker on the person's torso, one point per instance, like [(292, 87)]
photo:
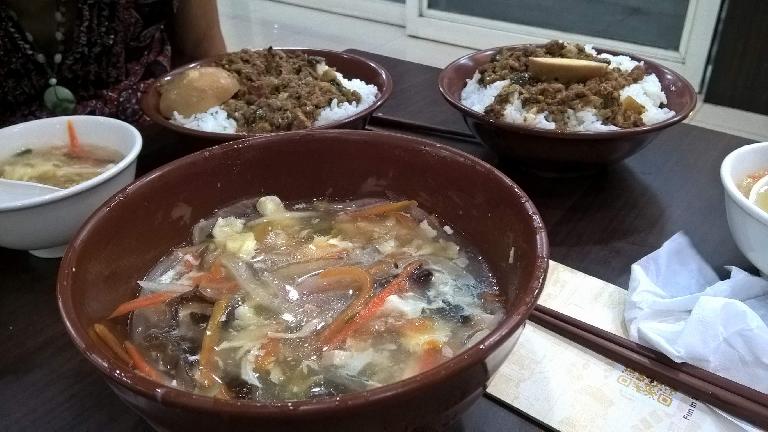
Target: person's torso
[(103, 51)]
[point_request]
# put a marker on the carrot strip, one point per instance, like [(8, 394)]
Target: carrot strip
[(356, 274), (380, 209), (364, 289), (218, 284), (431, 355), (217, 270), (405, 219), (74, 143), (141, 302), (418, 325), (214, 273), (398, 285), (340, 254), (215, 282), (381, 268), (208, 365), (111, 341), (218, 288), (140, 364), (270, 350)]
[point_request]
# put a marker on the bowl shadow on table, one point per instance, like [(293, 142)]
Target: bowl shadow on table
[(556, 157), (162, 146), (583, 230), (493, 414)]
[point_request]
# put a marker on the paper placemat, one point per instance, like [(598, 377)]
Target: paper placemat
[(570, 388)]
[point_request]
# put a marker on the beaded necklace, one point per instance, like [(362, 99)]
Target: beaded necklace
[(59, 99)]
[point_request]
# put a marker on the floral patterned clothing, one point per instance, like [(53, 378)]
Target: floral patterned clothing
[(113, 51)]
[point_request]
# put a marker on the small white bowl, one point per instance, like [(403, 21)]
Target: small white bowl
[(748, 223), (44, 225)]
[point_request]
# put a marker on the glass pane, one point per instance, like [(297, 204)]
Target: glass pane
[(656, 23)]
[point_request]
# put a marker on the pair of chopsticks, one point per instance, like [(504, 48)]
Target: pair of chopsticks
[(732, 397)]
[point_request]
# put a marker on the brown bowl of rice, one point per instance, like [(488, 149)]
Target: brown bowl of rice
[(555, 124), (256, 92)]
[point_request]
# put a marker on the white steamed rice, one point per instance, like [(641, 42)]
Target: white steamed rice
[(213, 120), (338, 111), (647, 92), (217, 120), (477, 97), (514, 113)]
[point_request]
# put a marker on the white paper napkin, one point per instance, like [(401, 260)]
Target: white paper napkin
[(679, 306)]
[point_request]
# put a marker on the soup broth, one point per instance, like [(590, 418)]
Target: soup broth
[(276, 302), (746, 186), (59, 166)]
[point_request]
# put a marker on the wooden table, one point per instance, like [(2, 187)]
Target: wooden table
[(599, 225)]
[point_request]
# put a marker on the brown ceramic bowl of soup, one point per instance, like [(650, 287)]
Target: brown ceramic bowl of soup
[(350, 65), (558, 152), (139, 225)]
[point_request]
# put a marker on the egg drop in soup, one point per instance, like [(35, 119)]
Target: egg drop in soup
[(274, 301)]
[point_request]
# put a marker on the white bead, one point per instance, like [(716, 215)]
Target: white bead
[(40, 57), (52, 81), (59, 36), (57, 58), (59, 17), (29, 36)]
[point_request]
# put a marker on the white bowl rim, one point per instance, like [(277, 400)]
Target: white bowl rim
[(88, 184), (730, 186)]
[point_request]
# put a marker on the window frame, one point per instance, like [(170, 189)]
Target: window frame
[(690, 59)]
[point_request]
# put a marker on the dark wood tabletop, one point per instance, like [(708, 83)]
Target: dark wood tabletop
[(599, 224)]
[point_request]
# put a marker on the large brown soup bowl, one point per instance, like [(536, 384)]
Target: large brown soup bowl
[(139, 225), (555, 152), (349, 65)]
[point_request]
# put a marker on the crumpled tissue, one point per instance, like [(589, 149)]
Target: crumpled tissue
[(679, 306)]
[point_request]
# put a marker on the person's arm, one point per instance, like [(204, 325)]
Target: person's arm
[(195, 32)]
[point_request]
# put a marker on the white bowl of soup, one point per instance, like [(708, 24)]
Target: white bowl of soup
[(740, 173), (87, 168)]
